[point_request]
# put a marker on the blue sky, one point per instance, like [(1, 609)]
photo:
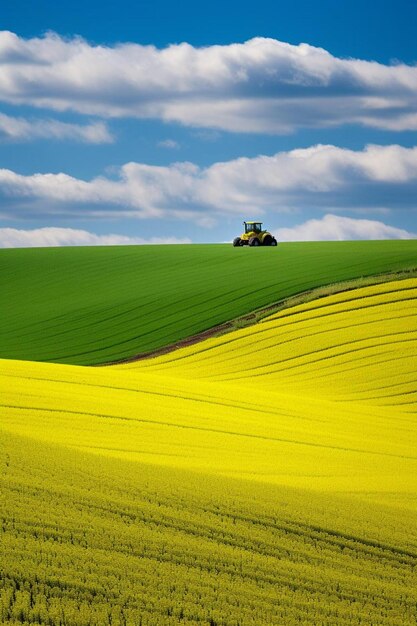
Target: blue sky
[(155, 121)]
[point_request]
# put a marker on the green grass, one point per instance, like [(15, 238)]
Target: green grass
[(95, 305)]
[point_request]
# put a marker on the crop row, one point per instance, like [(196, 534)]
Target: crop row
[(356, 345), (93, 540)]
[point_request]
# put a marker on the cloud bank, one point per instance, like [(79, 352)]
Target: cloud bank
[(53, 237), (338, 228), (320, 178), (21, 129), (262, 85)]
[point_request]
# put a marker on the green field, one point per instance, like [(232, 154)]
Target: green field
[(94, 305)]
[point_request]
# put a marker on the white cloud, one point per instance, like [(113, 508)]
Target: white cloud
[(338, 228), (21, 129), (169, 143), (262, 85), (323, 178), (52, 237)]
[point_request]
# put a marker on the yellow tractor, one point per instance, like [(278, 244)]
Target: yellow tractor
[(254, 236)]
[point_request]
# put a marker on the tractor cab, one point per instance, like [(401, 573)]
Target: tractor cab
[(252, 227)]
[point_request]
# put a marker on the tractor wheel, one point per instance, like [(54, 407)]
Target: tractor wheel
[(267, 240), (236, 242), (254, 241), (273, 242)]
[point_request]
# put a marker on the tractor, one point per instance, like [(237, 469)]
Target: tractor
[(254, 236)]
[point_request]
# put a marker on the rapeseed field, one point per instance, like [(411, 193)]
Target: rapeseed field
[(267, 476)]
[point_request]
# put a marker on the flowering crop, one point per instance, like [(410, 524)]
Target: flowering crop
[(264, 477)]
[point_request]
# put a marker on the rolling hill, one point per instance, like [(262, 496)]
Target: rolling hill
[(267, 476)]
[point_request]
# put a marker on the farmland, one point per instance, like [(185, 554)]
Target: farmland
[(94, 305), (88, 539), (266, 476)]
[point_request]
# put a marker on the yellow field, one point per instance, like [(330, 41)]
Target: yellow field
[(305, 421), (322, 396)]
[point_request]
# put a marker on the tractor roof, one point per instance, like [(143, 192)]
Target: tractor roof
[(257, 222)]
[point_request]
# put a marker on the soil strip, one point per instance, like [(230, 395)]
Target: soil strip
[(256, 316)]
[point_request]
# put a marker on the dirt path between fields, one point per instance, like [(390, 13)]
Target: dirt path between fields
[(256, 316)]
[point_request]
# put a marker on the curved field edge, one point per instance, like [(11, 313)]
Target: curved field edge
[(356, 345), (332, 380), (97, 305), (254, 317)]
